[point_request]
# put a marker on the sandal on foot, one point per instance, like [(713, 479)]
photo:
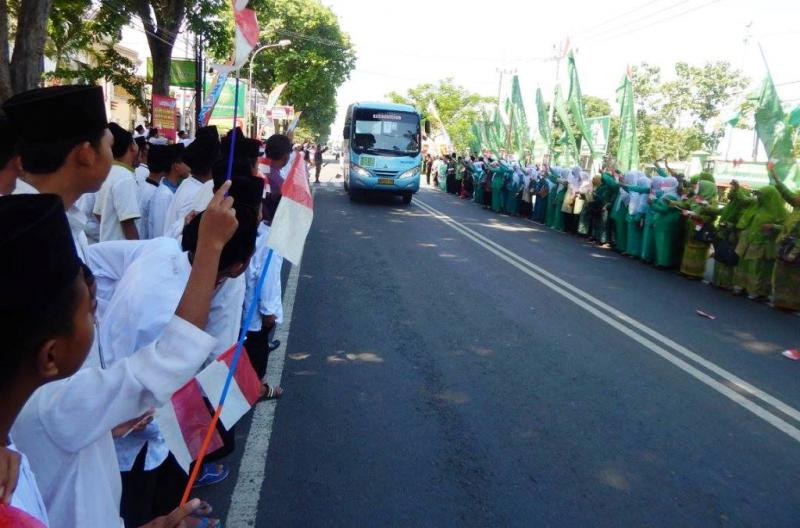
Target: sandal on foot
[(211, 474), (271, 393)]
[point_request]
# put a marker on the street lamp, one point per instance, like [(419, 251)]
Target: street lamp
[(280, 44)]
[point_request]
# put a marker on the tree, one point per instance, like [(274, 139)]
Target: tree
[(22, 70), (457, 107), (314, 66), (162, 20), (81, 44)]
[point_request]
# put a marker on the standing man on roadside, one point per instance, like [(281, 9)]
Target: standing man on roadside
[(318, 161)]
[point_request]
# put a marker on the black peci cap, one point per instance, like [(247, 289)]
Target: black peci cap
[(246, 189), (39, 255), (59, 112)]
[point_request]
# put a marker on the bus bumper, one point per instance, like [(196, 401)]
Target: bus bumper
[(398, 186)]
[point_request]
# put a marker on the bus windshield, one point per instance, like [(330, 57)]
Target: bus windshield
[(385, 133)]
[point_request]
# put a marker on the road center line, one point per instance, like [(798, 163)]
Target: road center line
[(583, 300)]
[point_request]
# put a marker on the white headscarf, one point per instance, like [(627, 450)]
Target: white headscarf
[(586, 183), (641, 198), (669, 185)]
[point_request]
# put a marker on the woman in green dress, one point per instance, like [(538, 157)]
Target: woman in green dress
[(477, 179), (786, 277), (561, 194), (648, 237), (512, 187), (666, 225), (637, 207), (619, 211), (553, 205), (758, 243), (739, 200), (442, 180), (498, 182), (700, 210)]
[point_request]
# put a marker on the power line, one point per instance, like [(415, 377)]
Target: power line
[(594, 34), (657, 22), (616, 17)]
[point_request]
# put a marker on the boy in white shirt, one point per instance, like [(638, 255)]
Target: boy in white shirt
[(117, 202)]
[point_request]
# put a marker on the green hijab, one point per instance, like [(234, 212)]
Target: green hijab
[(737, 204), (768, 209)]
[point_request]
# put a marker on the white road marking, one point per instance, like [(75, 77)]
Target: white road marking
[(614, 318), (253, 466)]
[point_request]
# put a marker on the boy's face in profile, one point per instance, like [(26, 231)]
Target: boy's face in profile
[(68, 352)]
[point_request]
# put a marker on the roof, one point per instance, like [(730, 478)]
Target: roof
[(385, 106)]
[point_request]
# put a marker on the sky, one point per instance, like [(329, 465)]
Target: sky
[(400, 44)]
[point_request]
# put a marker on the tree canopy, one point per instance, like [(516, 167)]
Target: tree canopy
[(315, 65), (458, 108)]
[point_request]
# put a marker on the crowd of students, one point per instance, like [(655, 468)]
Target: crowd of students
[(125, 268), (748, 242)]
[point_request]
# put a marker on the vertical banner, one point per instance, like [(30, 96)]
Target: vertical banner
[(294, 122), (221, 115), (628, 150), (213, 92), (598, 128), (272, 99), (164, 115)]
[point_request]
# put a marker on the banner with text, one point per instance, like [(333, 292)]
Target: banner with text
[(164, 115)]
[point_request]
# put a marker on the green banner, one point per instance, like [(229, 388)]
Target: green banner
[(181, 72), (569, 136), (475, 140), (521, 129), (775, 130), (222, 116), (544, 125), (599, 128), (575, 103), (628, 151)]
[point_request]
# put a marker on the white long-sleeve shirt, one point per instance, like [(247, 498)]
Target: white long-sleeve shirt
[(270, 302), (181, 204), (27, 496), (65, 427), (157, 213)]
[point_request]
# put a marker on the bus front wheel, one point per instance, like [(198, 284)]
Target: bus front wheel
[(407, 198)]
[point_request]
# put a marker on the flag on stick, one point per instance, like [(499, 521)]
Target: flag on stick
[(245, 389), (246, 32), (628, 151), (294, 214), (575, 103), (544, 125), (184, 421)]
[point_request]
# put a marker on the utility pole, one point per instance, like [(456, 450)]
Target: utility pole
[(502, 72), (198, 79)]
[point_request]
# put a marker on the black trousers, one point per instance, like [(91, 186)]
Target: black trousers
[(256, 344), (150, 494), (317, 169)]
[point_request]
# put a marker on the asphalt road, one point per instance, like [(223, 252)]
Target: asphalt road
[(435, 379)]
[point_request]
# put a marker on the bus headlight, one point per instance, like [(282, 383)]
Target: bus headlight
[(410, 173), (360, 171)]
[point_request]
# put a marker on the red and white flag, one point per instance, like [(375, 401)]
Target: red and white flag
[(246, 32), (292, 220), (245, 387), (183, 422)]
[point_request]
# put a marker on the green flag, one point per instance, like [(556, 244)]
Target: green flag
[(475, 140), (628, 151), (521, 129), (575, 103), (775, 130), (544, 126), (563, 116)]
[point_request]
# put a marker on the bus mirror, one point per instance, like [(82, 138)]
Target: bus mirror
[(427, 128)]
